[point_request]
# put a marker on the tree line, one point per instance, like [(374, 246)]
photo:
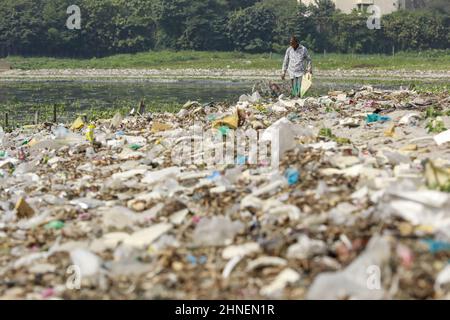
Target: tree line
[(38, 27)]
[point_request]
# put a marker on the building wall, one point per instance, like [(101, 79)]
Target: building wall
[(346, 6)]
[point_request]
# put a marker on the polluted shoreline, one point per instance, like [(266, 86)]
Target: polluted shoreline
[(350, 200)]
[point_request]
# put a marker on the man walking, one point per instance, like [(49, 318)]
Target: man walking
[(296, 62)]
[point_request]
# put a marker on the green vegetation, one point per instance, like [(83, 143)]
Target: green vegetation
[(436, 126), (445, 188), (108, 27), (327, 133), (428, 60), (432, 88), (431, 112)]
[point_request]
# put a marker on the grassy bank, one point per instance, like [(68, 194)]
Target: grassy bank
[(429, 60)]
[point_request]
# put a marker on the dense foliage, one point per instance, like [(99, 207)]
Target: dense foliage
[(38, 27)]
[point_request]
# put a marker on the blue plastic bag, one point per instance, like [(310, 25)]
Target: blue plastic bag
[(292, 175)]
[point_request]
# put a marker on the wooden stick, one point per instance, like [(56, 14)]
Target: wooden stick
[(54, 113), (36, 117)]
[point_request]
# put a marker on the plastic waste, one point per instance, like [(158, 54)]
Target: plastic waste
[(61, 132), (424, 207), (116, 121), (437, 177), (2, 135), (240, 250), (442, 137), (410, 119), (216, 231), (265, 261), (158, 176), (223, 130), (230, 266), (306, 83), (286, 277), (88, 262), (241, 160), (406, 256), (159, 127), (254, 98), (77, 124), (355, 281), (281, 134), (135, 146), (375, 117), (279, 107), (21, 155), (55, 224), (154, 221), (306, 248), (90, 133), (194, 260), (390, 131), (231, 121), (23, 209), (350, 122), (436, 246), (442, 278), (215, 175), (292, 175), (145, 237)]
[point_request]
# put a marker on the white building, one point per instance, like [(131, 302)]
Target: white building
[(346, 6)]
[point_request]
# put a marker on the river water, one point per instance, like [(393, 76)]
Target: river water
[(107, 92), (22, 98)]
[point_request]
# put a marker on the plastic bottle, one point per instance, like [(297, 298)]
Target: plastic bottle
[(2, 134), (61, 132), (292, 175), (90, 133)]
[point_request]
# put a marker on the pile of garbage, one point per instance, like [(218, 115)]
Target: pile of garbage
[(356, 207)]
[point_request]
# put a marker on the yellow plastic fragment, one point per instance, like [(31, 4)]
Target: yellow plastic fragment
[(90, 133), (435, 176), (23, 209), (424, 228), (409, 147), (158, 127), (260, 108), (390, 132), (77, 124), (32, 142), (231, 121)]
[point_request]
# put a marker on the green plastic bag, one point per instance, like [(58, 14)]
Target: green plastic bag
[(296, 87)]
